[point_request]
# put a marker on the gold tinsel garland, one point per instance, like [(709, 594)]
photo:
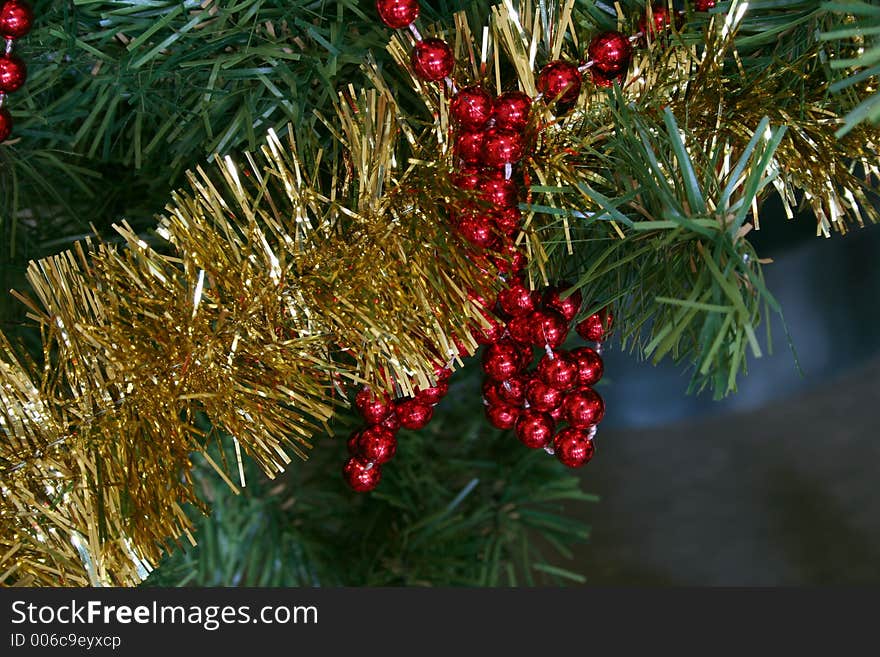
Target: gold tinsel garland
[(287, 281)]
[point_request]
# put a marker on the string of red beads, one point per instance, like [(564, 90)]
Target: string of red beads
[(16, 20)]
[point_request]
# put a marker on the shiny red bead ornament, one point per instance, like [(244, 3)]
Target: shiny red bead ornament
[(560, 371), (516, 300), (498, 192), (361, 476), (491, 394), (501, 360), (659, 20), (560, 81), (589, 366), (433, 395), (520, 329), (583, 408), (413, 414), (597, 326), (511, 111), (5, 124), (13, 73), (16, 19), (567, 307), (508, 221), (471, 108), (573, 447), (512, 391), (487, 334), (376, 445), (502, 416), (432, 59), (704, 5), (469, 148), (610, 53), (541, 396), (398, 14), (534, 428), (502, 147), (548, 328), (373, 407), (477, 229)]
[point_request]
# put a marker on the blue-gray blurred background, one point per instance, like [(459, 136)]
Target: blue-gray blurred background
[(775, 485)]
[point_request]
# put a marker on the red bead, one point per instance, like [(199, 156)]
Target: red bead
[(373, 407), (477, 229), (549, 328), (432, 396), (499, 193), (512, 391), (442, 374), (525, 359), (491, 393), (467, 178), (704, 5), (488, 335), (508, 221), (534, 428), (517, 300), (511, 111), (660, 20), (413, 414), (398, 13), (567, 307), (542, 397), (16, 19), (610, 53), (583, 408), (502, 416), (361, 476), (471, 108), (520, 329), (391, 423), (557, 413), (5, 124), (501, 360), (511, 259), (13, 73), (377, 445), (502, 147), (589, 366), (432, 59), (597, 326), (573, 447), (560, 371), (469, 147), (604, 81), (560, 81)]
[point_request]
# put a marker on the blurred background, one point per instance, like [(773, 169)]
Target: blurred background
[(775, 485)]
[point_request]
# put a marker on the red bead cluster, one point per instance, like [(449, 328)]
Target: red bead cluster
[(534, 402), (16, 19), (376, 444), (431, 59)]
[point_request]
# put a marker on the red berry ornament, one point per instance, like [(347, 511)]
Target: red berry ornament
[(398, 13), (432, 396), (487, 335), (560, 81), (477, 229), (500, 193), (508, 221), (559, 371), (583, 408), (597, 326), (501, 360), (361, 476), (466, 178), (520, 329), (13, 73), (610, 53), (704, 5), (376, 445), (542, 397), (491, 394), (511, 259), (502, 147), (432, 59), (511, 111), (516, 300), (413, 414), (391, 423), (549, 328), (5, 124), (16, 19), (512, 391), (469, 147), (589, 366), (502, 416), (660, 20), (567, 307), (573, 447), (534, 428), (471, 108), (373, 407)]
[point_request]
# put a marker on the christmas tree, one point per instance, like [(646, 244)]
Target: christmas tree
[(270, 231)]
